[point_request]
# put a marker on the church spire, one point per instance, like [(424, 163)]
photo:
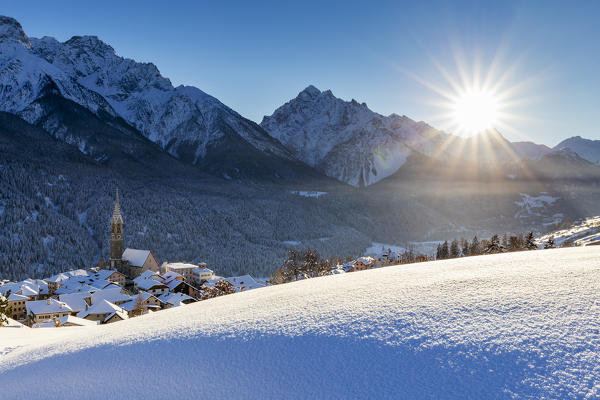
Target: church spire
[(117, 218)]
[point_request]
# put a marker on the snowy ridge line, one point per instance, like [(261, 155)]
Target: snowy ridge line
[(477, 327)]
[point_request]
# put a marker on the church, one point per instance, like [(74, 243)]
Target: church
[(131, 262)]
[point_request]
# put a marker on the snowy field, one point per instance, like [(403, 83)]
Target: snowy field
[(518, 325)]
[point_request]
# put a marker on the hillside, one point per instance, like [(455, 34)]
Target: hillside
[(518, 325)]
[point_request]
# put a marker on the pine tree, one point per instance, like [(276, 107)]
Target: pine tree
[(465, 248), (445, 250), (475, 247), (4, 310), (494, 246), (530, 242), (550, 243), (454, 249)]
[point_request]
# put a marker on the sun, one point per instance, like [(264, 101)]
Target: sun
[(474, 110)]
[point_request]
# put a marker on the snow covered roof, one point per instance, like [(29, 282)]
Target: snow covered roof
[(103, 307), (179, 265), (200, 271), (46, 307), (14, 297), (104, 274), (175, 299), (114, 295), (137, 258), (75, 300), (70, 319), (170, 275), (147, 284), (365, 260), (57, 278), (78, 272)]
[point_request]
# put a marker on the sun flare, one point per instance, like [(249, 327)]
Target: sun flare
[(475, 110)]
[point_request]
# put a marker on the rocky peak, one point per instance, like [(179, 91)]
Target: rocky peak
[(91, 44), (12, 31)]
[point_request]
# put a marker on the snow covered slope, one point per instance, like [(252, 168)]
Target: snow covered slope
[(519, 325), (581, 233)]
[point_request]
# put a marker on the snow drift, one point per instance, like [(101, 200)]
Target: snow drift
[(519, 325)]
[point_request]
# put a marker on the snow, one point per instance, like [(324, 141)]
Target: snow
[(517, 325), (530, 205), (136, 257), (582, 233), (309, 193), (292, 242), (377, 248)]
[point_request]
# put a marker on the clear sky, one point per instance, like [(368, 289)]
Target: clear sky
[(254, 56)]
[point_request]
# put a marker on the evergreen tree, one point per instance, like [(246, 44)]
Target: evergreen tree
[(445, 250), (454, 249), (505, 241), (550, 243), (466, 250), (494, 246), (530, 242), (475, 247), (4, 310)]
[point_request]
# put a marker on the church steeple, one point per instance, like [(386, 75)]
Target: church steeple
[(116, 234)]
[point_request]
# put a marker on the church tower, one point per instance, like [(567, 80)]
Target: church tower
[(116, 235)]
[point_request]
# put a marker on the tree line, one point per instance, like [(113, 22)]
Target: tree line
[(494, 245)]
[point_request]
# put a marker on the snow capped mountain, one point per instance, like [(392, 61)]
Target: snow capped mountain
[(585, 148), (183, 120), (188, 123), (530, 150), (346, 140)]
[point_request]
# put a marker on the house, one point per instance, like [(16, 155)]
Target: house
[(244, 282), (170, 300), (201, 275), (114, 295), (185, 270), (111, 276), (148, 302), (151, 286), (363, 263), (78, 301), (386, 258), (178, 285), (69, 320), (46, 310), (146, 275), (104, 312), (138, 261), (16, 305)]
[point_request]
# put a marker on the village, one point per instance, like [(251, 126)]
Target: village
[(130, 284)]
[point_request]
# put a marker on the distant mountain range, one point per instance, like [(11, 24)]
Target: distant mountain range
[(202, 183)]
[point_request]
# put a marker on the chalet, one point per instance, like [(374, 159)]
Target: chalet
[(66, 321), (148, 302), (185, 270), (104, 312), (111, 276), (78, 301), (46, 310), (114, 295), (363, 263), (178, 285), (151, 286), (170, 300)]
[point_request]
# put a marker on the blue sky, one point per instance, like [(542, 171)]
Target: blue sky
[(254, 56)]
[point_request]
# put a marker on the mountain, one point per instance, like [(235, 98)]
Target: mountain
[(347, 141), (586, 148), (186, 122), (519, 325)]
